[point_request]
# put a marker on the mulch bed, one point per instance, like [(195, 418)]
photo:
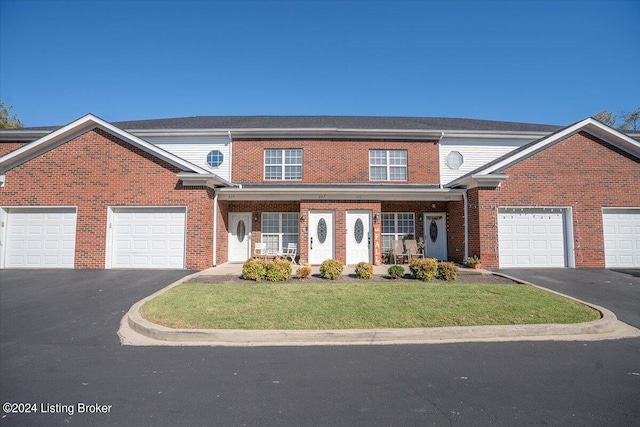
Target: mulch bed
[(486, 279)]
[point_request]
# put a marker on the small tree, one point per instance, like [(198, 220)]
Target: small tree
[(7, 121), (630, 119), (606, 117)]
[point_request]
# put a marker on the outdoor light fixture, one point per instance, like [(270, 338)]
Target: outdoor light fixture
[(255, 217), (303, 217), (375, 218)]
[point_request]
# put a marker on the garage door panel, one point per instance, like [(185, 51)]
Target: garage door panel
[(148, 237), (40, 237), (531, 237), (621, 229)]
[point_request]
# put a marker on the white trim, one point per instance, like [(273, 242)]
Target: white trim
[(283, 192), (80, 126), (111, 211), (446, 234), (569, 242), (4, 218), (592, 126)]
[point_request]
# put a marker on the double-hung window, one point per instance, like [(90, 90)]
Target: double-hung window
[(388, 165), (279, 229), (395, 226), (282, 164)]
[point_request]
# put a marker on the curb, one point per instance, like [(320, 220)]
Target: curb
[(136, 330)]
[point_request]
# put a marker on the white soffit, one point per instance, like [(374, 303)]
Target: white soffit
[(79, 127), (589, 125)]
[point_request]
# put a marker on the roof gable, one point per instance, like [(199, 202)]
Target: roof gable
[(80, 126), (493, 171)]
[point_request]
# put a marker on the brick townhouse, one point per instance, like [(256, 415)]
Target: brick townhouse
[(199, 191)]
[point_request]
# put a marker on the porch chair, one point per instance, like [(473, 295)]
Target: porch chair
[(398, 252), (289, 253), (260, 251), (412, 249)]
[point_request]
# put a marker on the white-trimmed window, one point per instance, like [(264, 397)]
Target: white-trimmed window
[(395, 226), (279, 229), (387, 165), (282, 164)]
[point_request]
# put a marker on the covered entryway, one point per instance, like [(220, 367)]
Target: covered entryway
[(239, 236), (358, 237), (146, 237), (38, 237), (435, 235), (321, 236), (532, 237), (621, 237)]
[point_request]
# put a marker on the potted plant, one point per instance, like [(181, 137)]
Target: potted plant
[(474, 262)]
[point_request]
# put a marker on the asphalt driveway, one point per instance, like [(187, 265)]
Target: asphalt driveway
[(617, 290), (58, 346)]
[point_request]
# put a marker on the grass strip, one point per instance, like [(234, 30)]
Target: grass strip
[(356, 306)]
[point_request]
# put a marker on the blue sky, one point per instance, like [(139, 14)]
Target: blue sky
[(541, 61)]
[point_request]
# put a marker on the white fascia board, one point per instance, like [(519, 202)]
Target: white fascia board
[(80, 126), (588, 125), (338, 193), (531, 136), (178, 132), (336, 133), (212, 180)]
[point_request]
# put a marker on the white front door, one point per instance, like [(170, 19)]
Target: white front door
[(239, 236), (320, 237), (358, 237), (435, 235)]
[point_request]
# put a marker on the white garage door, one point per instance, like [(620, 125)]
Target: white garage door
[(40, 238), (529, 237), (621, 237), (148, 237)]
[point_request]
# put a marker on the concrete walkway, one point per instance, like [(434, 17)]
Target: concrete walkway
[(136, 330)]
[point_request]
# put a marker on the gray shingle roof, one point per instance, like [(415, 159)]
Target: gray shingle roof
[(328, 122)]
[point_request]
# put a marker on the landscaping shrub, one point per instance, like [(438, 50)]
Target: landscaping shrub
[(331, 269), (424, 268), (396, 271), (364, 270), (254, 269), (278, 270), (303, 272), (447, 271)]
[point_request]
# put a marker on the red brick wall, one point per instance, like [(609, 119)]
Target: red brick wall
[(96, 170), (335, 161), (582, 172), (9, 146), (454, 224)]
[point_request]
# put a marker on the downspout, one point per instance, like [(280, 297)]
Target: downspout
[(466, 224), (215, 227), (439, 163)]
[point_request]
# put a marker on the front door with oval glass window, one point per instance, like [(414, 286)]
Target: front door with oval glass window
[(435, 235), (320, 236), (239, 236), (358, 237)]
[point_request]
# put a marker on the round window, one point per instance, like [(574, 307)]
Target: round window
[(215, 158), (454, 160)]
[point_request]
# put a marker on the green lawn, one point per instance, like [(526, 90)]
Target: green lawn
[(355, 306)]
